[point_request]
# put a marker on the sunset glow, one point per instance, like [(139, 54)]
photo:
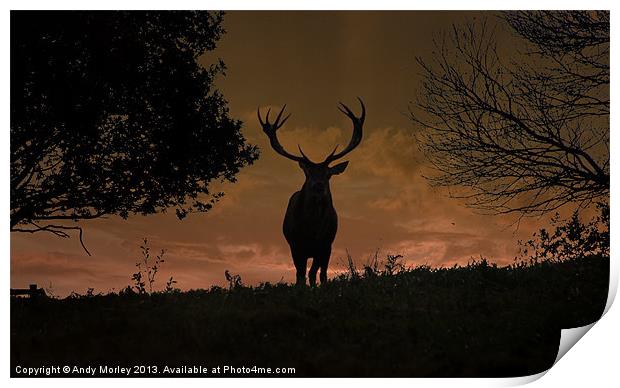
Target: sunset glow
[(309, 61)]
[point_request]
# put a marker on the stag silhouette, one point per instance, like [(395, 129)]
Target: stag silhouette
[(311, 222)]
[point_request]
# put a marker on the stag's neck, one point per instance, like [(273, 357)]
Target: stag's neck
[(312, 201)]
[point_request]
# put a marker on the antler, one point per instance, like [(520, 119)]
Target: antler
[(356, 138), (270, 130)]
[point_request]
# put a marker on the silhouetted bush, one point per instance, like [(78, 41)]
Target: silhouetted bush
[(571, 238)]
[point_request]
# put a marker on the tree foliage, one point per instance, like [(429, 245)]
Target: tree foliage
[(571, 239), (112, 114), (520, 133)]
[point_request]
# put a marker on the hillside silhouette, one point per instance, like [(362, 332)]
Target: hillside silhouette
[(476, 320)]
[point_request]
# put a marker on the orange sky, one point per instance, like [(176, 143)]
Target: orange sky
[(310, 61)]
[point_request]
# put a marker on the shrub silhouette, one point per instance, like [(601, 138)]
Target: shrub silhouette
[(147, 270), (571, 238)]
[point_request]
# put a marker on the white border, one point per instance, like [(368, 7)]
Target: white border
[(310, 4), (594, 362)]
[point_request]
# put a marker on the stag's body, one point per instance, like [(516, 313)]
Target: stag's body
[(311, 222), (310, 227)]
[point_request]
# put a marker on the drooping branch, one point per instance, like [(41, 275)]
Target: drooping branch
[(56, 230)]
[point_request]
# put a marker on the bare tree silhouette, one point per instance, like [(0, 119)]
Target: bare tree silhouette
[(311, 222), (526, 136)]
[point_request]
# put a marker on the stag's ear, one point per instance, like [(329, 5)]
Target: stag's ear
[(339, 168)]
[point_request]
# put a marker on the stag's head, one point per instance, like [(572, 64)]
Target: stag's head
[(317, 174)]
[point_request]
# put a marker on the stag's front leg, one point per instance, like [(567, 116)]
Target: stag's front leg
[(313, 270), (301, 264), (324, 262)]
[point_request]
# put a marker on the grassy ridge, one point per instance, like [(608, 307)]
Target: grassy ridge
[(477, 320)]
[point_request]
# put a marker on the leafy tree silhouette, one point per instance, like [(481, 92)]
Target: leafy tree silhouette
[(112, 114)]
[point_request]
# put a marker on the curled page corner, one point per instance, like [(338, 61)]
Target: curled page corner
[(569, 337), (613, 287), (523, 380)]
